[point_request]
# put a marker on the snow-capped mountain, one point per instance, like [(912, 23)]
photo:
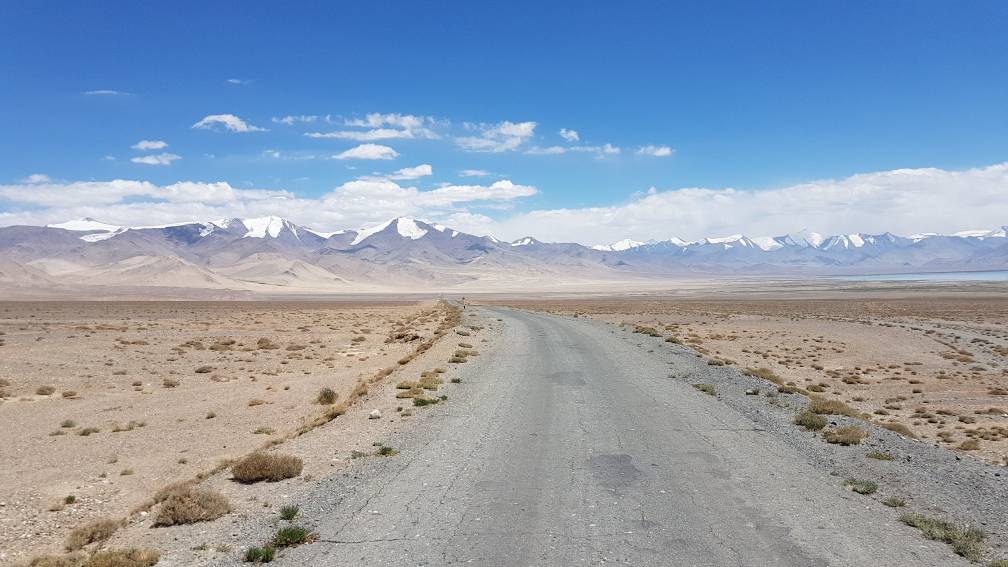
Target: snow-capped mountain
[(273, 254)]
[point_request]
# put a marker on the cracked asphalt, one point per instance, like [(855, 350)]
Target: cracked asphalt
[(568, 445)]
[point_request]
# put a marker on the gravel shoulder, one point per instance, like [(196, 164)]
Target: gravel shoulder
[(570, 441)]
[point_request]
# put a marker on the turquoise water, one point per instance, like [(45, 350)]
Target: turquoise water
[(992, 276)]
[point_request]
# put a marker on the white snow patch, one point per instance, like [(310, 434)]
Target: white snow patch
[(766, 243), (523, 241), (85, 225), (408, 228), (262, 226)]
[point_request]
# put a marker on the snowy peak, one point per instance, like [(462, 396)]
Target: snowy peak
[(86, 224), (526, 241), (405, 227), (620, 246), (803, 238)]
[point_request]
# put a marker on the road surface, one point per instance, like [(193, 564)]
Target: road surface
[(571, 445)]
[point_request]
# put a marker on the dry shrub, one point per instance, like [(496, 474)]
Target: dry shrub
[(824, 406), (810, 421), (173, 489), (71, 560), (900, 428), (45, 390), (849, 435), (98, 530), (191, 505), (123, 558), (266, 466), (327, 396), (765, 374)]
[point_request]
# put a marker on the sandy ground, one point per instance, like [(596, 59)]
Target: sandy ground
[(936, 364), (170, 390)]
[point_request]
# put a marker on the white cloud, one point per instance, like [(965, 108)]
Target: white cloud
[(501, 137), (364, 135), (146, 145), (569, 135), (228, 121), (242, 82), (601, 151), (368, 151), (422, 170), (383, 127), (902, 201), (158, 159), (138, 203), (106, 92), (654, 151), (37, 178), (474, 173), (291, 119)]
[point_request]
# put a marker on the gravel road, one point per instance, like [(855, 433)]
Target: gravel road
[(570, 444)]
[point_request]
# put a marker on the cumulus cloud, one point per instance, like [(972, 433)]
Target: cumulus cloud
[(291, 119), (158, 159), (902, 201), (368, 151), (147, 145), (422, 170), (139, 203), (569, 135), (227, 121), (654, 151), (106, 92), (501, 137), (37, 178), (383, 127)]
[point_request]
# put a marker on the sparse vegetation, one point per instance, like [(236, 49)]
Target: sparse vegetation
[(894, 502), (706, 388), (900, 428), (810, 421), (263, 554), (266, 466), (848, 435), (386, 451), (45, 390), (288, 512), (91, 532), (289, 536), (123, 558), (190, 506), (879, 455), (861, 486), (965, 540), (824, 406), (327, 396)]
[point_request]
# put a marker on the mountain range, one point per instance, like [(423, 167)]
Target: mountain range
[(273, 255)]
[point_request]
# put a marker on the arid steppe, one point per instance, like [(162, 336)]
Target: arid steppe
[(104, 404)]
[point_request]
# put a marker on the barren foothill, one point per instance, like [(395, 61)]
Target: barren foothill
[(103, 404)]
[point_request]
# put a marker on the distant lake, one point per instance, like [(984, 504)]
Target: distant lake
[(991, 276)]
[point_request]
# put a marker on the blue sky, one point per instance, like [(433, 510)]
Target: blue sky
[(757, 100)]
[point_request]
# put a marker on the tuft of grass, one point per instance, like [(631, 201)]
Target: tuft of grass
[(860, 486), (327, 397), (266, 466), (263, 554), (969, 445), (894, 502), (900, 428), (289, 536), (386, 451), (965, 540), (810, 421), (91, 532), (765, 374), (706, 388), (191, 505), (68, 423), (45, 390), (205, 369), (421, 401), (879, 455), (288, 512), (848, 435), (823, 406), (123, 558), (264, 430)]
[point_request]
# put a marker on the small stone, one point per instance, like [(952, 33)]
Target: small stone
[(375, 414)]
